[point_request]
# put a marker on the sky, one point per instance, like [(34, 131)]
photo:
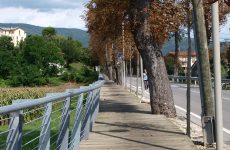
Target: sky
[(56, 13)]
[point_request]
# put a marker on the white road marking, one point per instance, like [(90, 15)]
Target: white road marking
[(182, 109), (197, 116), (226, 99)]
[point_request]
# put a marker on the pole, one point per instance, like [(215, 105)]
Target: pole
[(137, 77), (204, 72), (142, 80), (123, 51), (130, 70), (188, 73), (125, 72), (217, 80)]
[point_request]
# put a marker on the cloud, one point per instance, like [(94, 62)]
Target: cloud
[(44, 5), (68, 18)]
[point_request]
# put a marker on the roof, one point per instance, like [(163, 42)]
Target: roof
[(182, 53), (9, 29)]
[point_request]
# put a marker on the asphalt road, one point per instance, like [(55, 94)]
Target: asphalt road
[(179, 93)]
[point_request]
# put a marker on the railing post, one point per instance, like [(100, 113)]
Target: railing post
[(97, 104), (76, 132), (44, 140), (93, 109), (86, 122), (14, 138), (63, 136)]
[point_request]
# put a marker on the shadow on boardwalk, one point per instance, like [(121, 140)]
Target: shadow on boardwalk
[(124, 123)]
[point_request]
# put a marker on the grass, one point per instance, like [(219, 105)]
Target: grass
[(76, 66), (32, 130)]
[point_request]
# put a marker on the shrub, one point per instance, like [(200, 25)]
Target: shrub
[(82, 75), (3, 83)]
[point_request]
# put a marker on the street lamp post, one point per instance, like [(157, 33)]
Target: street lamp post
[(217, 71)]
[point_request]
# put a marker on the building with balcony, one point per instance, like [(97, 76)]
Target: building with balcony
[(17, 34)]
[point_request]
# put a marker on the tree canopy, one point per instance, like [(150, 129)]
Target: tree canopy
[(40, 58), (144, 25)]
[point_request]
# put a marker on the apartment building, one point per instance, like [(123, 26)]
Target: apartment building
[(17, 34), (183, 58)]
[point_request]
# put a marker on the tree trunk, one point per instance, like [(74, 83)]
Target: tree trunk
[(108, 64), (161, 98), (176, 59), (202, 48)]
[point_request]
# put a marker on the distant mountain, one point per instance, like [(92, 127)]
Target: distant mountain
[(170, 45), (83, 36), (76, 34)]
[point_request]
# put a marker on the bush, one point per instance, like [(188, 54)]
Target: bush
[(28, 75), (54, 81), (3, 83), (82, 75)]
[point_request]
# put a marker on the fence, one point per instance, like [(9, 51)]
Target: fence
[(58, 121), (194, 80), (134, 84)]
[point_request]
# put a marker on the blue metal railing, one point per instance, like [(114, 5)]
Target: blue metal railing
[(58, 121)]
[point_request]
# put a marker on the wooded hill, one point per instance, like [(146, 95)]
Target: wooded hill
[(83, 36), (76, 34)]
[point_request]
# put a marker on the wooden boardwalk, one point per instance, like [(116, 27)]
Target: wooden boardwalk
[(125, 124)]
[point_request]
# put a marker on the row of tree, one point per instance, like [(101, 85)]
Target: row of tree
[(125, 26), (39, 58)]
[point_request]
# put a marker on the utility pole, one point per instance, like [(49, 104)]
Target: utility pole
[(205, 76), (217, 73), (188, 71)]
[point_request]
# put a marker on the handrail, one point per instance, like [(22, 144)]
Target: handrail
[(55, 110), (48, 99)]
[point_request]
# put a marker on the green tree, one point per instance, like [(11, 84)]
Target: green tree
[(6, 44), (44, 54), (71, 50), (169, 62), (49, 33), (6, 57), (85, 56), (228, 60)]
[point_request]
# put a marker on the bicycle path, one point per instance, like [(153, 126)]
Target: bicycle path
[(123, 123)]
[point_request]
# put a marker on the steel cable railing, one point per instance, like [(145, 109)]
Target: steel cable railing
[(57, 121)]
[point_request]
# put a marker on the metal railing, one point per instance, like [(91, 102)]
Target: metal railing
[(194, 80), (58, 121)]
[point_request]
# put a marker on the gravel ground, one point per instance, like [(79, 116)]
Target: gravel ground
[(196, 132)]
